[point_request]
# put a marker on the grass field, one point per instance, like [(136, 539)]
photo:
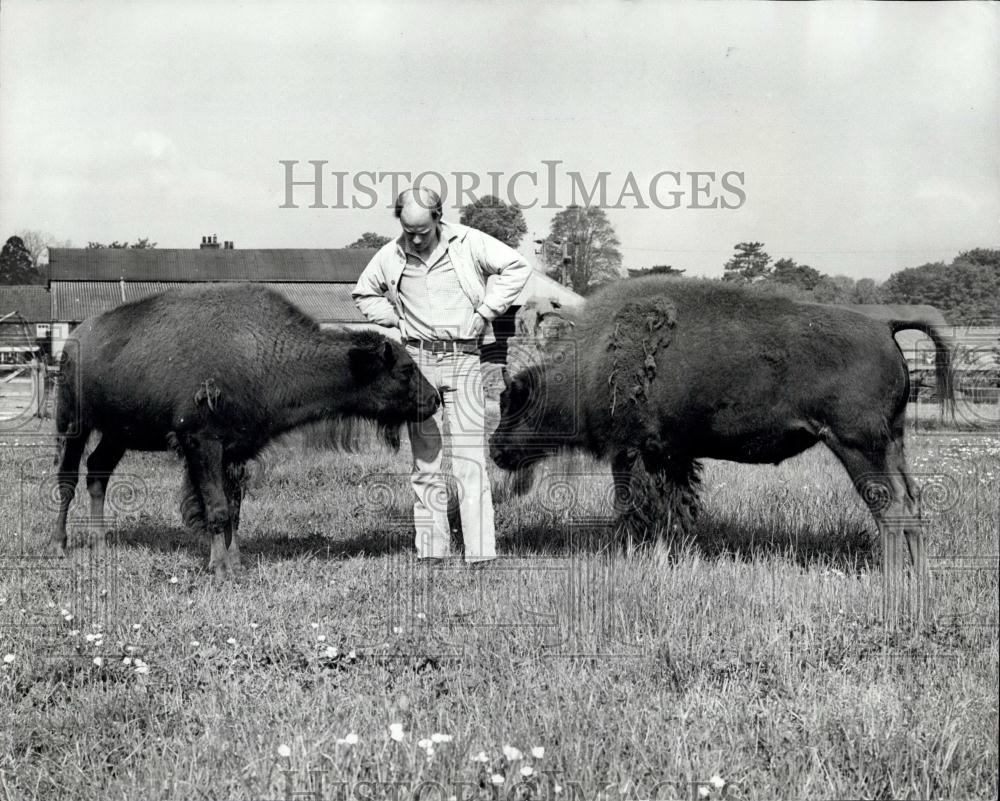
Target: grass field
[(754, 655)]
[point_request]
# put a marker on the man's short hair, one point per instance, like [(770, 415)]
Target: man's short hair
[(423, 197)]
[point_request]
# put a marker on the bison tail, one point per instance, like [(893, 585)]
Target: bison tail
[(68, 412), (943, 371), (67, 402)]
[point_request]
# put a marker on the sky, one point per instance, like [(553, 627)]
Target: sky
[(858, 138)]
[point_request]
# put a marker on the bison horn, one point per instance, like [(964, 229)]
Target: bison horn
[(506, 376)]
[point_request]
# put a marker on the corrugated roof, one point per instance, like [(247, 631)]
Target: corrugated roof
[(280, 264), (31, 302), (73, 301)]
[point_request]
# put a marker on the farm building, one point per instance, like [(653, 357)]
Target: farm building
[(25, 315), (85, 282)]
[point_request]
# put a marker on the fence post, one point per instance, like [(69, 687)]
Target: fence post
[(37, 388)]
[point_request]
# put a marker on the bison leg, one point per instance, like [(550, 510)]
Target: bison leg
[(911, 525), (67, 475), (621, 477), (100, 465), (206, 474), (881, 479), (659, 496), (234, 477), (193, 507)]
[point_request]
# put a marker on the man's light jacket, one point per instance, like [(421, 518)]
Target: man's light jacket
[(476, 257)]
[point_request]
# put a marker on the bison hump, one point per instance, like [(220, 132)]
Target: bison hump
[(641, 331)]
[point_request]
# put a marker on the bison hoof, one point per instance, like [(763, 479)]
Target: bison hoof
[(55, 546), (225, 568)]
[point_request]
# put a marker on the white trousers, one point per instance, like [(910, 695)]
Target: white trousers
[(459, 378)]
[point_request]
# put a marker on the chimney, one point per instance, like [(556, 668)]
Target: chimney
[(209, 243), (228, 244)]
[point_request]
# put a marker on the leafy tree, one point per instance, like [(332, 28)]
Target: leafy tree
[(983, 256), (369, 239), (659, 269), (581, 249), (866, 291), (496, 218), (16, 264), (786, 271), (140, 244), (749, 264), (834, 289), (965, 291)]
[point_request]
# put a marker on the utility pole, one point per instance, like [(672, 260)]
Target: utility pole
[(567, 255)]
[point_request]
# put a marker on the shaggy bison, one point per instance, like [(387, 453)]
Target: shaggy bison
[(216, 374), (661, 373)]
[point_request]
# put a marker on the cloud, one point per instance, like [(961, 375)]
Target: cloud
[(155, 144), (938, 190)]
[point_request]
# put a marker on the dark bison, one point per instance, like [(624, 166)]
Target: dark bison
[(216, 374), (661, 373)]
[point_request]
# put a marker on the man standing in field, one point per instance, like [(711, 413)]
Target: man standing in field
[(431, 284)]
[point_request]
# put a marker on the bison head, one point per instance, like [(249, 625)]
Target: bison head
[(521, 439), (390, 388)]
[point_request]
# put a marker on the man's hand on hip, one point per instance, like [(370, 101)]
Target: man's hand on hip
[(477, 326)]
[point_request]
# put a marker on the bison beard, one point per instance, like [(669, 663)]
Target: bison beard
[(661, 373), (216, 374)]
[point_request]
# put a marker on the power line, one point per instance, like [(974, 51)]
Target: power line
[(797, 250)]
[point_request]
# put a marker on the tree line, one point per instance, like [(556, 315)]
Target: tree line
[(966, 291), (582, 251)]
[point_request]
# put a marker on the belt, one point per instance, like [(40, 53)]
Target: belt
[(444, 345)]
